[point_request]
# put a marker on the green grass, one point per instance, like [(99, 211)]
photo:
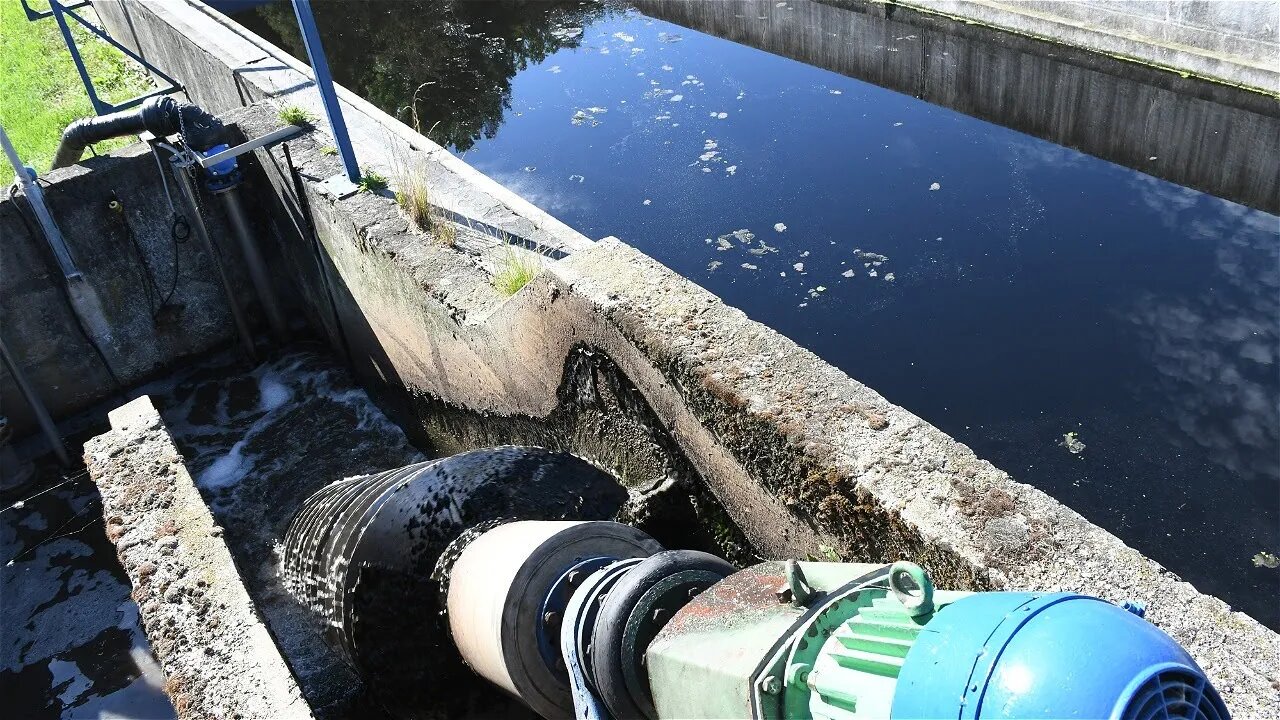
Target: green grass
[(40, 91), (373, 182), (414, 197), (294, 115), (515, 271)]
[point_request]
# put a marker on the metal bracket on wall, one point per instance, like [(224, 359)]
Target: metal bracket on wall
[(60, 12), (275, 136)]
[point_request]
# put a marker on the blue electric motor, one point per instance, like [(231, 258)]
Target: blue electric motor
[(864, 642), (1060, 655)]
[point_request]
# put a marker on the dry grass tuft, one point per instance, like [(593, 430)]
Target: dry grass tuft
[(414, 197)]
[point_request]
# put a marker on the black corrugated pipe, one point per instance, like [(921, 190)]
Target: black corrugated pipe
[(160, 115), (364, 553)]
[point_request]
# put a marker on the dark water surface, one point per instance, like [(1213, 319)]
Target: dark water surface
[(1007, 289), (71, 639)]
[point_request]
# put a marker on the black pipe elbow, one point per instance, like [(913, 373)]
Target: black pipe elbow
[(160, 115)]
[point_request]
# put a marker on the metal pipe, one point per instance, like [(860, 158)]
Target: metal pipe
[(160, 116), (193, 210), (37, 407), (324, 83), (36, 199), (363, 553), (257, 266)]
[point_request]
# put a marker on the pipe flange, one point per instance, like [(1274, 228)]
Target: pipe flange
[(498, 591), (635, 610), (553, 608)]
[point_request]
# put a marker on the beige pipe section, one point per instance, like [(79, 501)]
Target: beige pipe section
[(478, 588), (498, 583)]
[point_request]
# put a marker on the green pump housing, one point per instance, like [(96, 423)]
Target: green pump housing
[(834, 641), (793, 640)]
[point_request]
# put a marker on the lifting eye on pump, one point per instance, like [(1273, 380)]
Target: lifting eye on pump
[(595, 620)]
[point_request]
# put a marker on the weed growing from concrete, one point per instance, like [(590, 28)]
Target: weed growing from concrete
[(328, 150), (515, 271), (444, 231), (414, 198), (373, 182), (295, 115)]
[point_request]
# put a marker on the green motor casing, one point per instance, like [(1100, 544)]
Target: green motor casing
[(820, 640)]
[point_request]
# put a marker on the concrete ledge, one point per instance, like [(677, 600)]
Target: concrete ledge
[(1248, 56), (218, 658)]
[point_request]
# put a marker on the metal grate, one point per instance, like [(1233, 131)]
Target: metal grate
[(1176, 695)]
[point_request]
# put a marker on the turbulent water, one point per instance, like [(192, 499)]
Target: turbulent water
[(257, 440)]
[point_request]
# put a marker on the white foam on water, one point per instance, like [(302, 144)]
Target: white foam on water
[(225, 471), (272, 393)]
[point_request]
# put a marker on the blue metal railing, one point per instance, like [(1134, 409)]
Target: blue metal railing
[(60, 12), (324, 83)]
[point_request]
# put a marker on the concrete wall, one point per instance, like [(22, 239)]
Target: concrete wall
[(800, 455), (1233, 41), (1216, 139), (218, 657), (118, 252)]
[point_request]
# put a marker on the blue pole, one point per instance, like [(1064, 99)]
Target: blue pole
[(324, 82), (98, 106)]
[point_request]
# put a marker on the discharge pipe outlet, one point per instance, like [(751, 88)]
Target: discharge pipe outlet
[(363, 553), (159, 115)]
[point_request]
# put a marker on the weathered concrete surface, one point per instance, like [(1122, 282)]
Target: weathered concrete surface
[(1233, 41), (120, 253), (218, 658), (801, 455), (1217, 139)]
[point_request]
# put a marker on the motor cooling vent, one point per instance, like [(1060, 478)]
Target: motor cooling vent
[(1175, 694)]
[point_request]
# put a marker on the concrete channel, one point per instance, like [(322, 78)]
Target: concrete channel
[(711, 421), (1033, 79)]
